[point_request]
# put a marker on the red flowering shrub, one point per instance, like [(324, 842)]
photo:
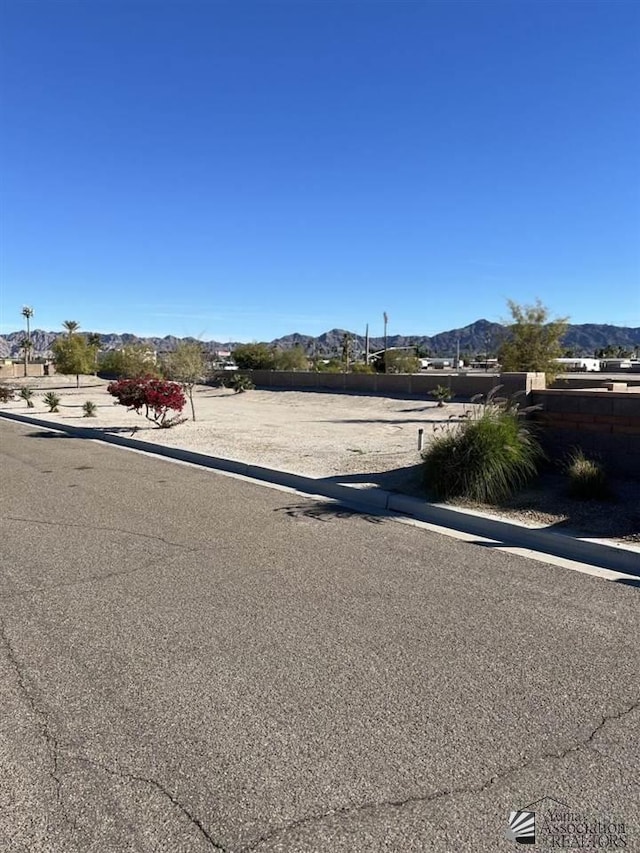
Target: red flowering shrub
[(128, 392), (156, 396)]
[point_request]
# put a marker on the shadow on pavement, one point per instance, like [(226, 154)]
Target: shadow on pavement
[(48, 434), (407, 480), (600, 559), (319, 511), (452, 419), (629, 582)]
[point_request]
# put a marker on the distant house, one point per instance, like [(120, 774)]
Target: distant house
[(149, 355), (579, 365), (487, 364), (617, 364)]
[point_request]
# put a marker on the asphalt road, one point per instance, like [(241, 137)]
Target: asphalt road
[(191, 662)]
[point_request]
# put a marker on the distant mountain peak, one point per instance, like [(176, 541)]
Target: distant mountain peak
[(477, 337)]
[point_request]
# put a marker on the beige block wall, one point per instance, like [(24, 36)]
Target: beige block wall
[(462, 385), (15, 371), (605, 424)]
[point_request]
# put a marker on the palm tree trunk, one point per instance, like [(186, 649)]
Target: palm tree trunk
[(26, 352)]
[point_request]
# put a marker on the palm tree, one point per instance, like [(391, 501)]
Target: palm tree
[(26, 346), (27, 313), (346, 351), (71, 326), (94, 340)]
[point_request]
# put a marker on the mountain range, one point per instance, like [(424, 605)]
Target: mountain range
[(480, 337)]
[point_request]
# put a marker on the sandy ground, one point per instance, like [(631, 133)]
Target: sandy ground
[(317, 434), (353, 439)]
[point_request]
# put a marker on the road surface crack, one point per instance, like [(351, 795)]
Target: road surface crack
[(444, 792), (100, 527), (134, 777), (43, 720), (54, 750), (153, 562)]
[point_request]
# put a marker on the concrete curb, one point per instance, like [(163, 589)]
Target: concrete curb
[(616, 558)]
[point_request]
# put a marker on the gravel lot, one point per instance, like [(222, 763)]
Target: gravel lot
[(317, 434)]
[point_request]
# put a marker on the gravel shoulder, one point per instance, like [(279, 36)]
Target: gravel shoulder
[(353, 439)]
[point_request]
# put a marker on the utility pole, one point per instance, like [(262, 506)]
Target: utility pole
[(366, 345), (458, 354), (386, 320)]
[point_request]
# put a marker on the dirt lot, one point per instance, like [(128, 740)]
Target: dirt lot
[(355, 439), (316, 434)]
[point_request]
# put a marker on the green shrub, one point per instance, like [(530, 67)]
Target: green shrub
[(397, 361), (6, 393), (26, 394), (361, 367), (332, 365), (442, 393), (130, 362), (89, 409), (240, 383), (587, 479), (255, 356), (485, 458), (291, 359), (52, 400)]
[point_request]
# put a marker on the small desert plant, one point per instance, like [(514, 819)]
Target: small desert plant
[(241, 383), (26, 394), (587, 478), (89, 409), (6, 393), (52, 400), (442, 393), (485, 457)]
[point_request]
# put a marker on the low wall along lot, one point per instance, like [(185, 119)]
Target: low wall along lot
[(462, 385), (604, 423), (601, 422)]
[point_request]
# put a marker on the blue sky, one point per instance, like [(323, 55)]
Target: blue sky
[(242, 170)]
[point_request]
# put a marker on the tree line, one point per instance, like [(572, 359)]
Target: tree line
[(532, 342)]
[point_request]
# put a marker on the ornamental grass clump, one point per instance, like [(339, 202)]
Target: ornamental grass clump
[(587, 478), (486, 457), (156, 397), (89, 409)]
